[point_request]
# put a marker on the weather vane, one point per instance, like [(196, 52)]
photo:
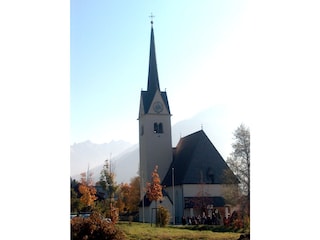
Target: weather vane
[(151, 17)]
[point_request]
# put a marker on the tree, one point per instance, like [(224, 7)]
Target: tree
[(107, 180), (154, 189), (123, 197), (108, 183), (163, 217), (239, 163), (76, 204), (134, 197), (87, 190), (129, 196), (202, 200)]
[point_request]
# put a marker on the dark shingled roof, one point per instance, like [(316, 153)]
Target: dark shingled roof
[(153, 80), (195, 161)]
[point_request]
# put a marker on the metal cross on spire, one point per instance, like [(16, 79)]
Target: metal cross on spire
[(151, 17)]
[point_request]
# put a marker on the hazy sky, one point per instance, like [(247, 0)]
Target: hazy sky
[(200, 47), (261, 57)]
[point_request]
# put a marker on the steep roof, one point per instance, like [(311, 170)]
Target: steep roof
[(153, 79), (195, 161)]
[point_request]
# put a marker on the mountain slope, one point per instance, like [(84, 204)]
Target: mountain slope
[(88, 154), (125, 166), (218, 123)]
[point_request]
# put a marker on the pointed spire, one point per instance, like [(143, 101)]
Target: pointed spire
[(153, 81)]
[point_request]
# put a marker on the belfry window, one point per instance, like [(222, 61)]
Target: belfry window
[(157, 128), (160, 128)]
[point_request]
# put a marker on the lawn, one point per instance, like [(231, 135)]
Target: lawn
[(144, 231)]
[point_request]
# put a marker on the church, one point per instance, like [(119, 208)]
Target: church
[(191, 173)]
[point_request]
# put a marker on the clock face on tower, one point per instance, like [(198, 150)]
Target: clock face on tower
[(158, 107)]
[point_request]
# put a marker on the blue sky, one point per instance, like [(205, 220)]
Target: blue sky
[(109, 45)]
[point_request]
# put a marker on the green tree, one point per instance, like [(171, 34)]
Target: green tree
[(107, 180), (75, 203), (108, 183)]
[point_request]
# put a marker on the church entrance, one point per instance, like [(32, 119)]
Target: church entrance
[(208, 210)]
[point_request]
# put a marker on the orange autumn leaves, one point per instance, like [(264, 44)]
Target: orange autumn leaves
[(154, 189), (87, 190), (129, 195)]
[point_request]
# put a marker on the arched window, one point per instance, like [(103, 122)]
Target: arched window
[(160, 128), (155, 128)]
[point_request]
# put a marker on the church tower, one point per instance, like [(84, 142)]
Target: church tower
[(155, 144)]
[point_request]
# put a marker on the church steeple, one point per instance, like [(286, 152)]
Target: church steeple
[(155, 143), (153, 80), (153, 92)]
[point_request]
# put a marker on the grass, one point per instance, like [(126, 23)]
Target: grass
[(144, 231)]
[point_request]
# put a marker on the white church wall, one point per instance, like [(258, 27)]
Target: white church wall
[(178, 202), (149, 211), (146, 210), (155, 148)]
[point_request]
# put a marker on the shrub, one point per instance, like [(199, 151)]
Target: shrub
[(94, 227), (163, 217), (246, 223), (114, 215)]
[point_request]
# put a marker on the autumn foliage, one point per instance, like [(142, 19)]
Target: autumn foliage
[(88, 194), (154, 189), (87, 190), (129, 196), (163, 216), (94, 227)]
